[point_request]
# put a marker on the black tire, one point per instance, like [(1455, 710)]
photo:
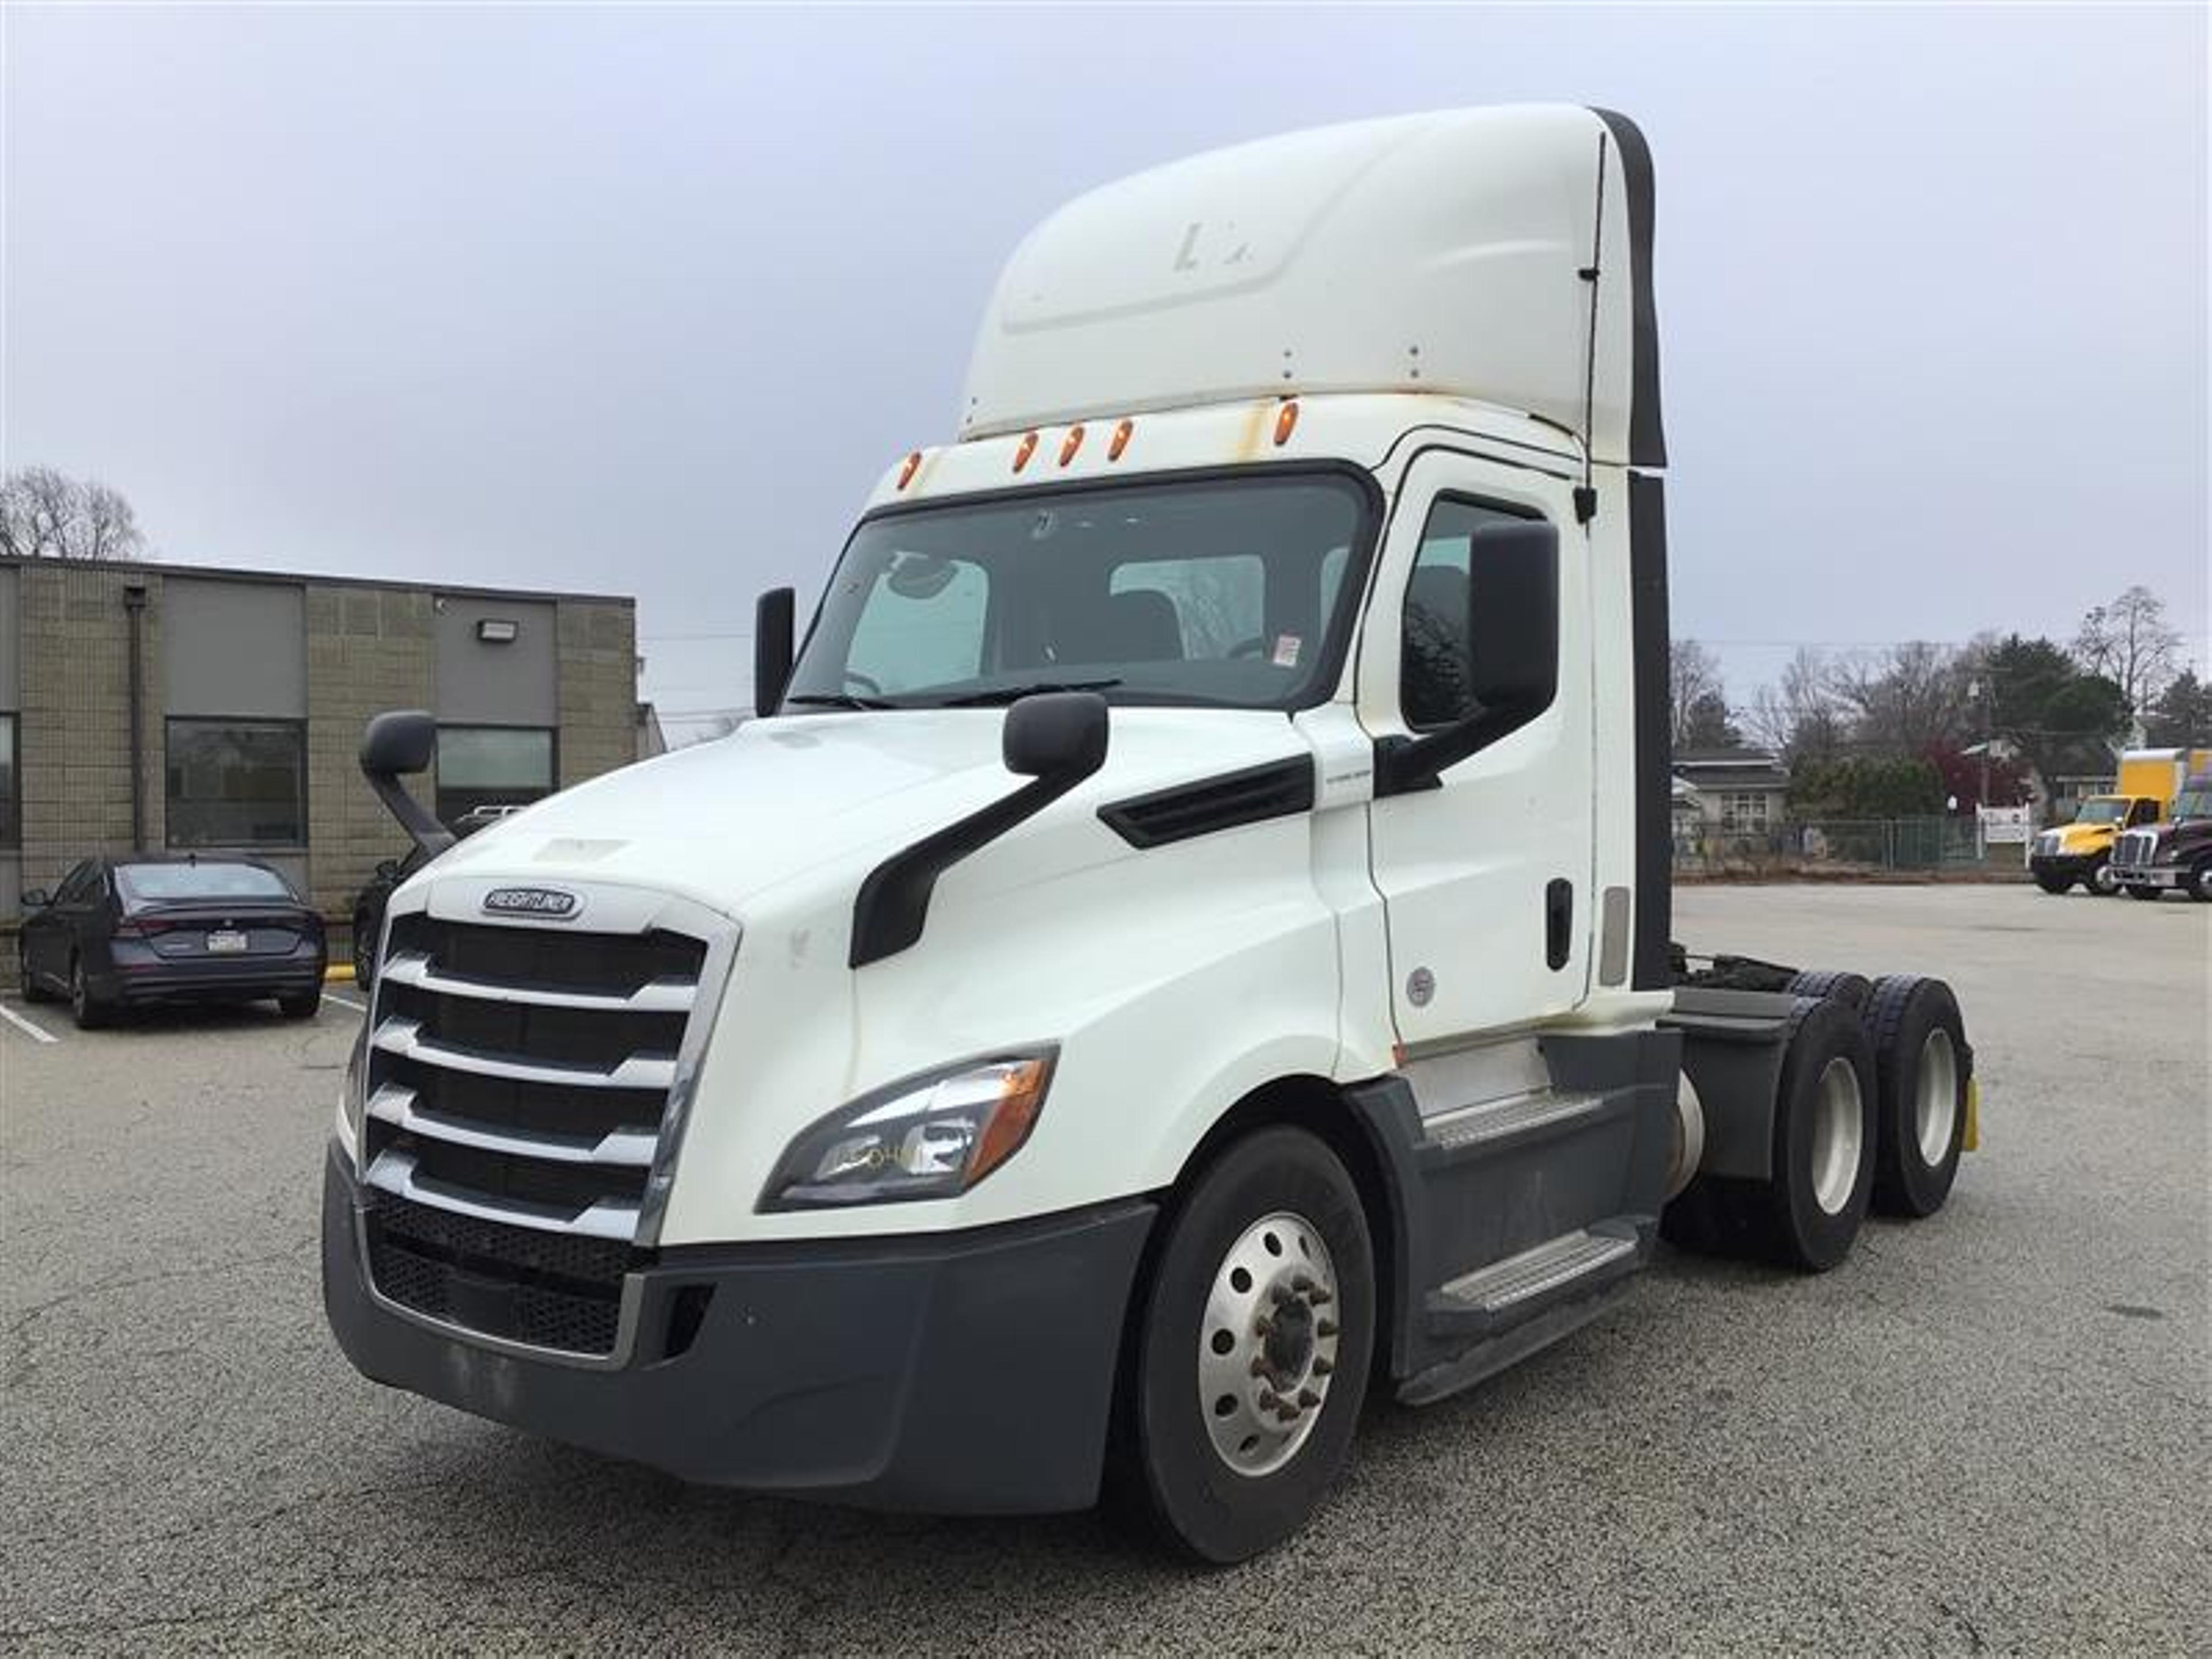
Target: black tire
[(2142, 891), (364, 948), (301, 1004), (1781, 1219), (1838, 984), (87, 1009), (2100, 882), (25, 981), (1166, 1460), (2200, 883), (1908, 1018), (2054, 884)]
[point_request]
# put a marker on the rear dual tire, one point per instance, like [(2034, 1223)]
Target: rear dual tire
[(1808, 1212), (1922, 1071)]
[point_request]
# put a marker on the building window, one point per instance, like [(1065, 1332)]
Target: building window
[(482, 766), (11, 799), (1744, 811), (237, 783)]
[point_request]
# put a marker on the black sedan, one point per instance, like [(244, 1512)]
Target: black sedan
[(124, 931)]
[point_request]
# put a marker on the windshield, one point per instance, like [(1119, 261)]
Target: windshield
[(2193, 804), (1224, 592), (2101, 809), (159, 884)]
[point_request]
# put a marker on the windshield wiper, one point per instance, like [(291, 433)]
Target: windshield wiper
[(837, 700), (1005, 693)]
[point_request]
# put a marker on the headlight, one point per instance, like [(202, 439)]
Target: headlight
[(933, 1136)]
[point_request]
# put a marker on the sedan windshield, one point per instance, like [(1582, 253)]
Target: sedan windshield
[(1224, 592), (167, 883)]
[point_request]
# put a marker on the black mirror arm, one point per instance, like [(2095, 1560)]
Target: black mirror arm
[(421, 828), (1403, 764)]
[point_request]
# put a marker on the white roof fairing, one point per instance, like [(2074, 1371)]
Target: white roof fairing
[(1424, 254)]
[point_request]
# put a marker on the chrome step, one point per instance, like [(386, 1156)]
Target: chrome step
[(396, 1104), (1491, 1121), (1550, 1266)]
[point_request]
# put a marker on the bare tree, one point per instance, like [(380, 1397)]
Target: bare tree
[(1796, 716), (1906, 698), (46, 515), (2131, 644), (1693, 675)]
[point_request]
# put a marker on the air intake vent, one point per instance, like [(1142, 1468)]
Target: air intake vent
[(1278, 789)]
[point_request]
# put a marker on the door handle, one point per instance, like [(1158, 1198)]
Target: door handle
[(1558, 921)]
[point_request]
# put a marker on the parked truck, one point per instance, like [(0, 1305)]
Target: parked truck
[(1185, 946), (2082, 852), (2175, 853)]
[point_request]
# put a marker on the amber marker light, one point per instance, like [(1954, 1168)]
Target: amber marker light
[(913, 464), (1069, 444), (1024, 450), (1286, 422), (1120, 440), (1021, 1092)]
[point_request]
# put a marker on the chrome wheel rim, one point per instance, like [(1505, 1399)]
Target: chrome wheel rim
[(1935, 1105), (1267, 1348), (1838, 1135), (2103, 880)]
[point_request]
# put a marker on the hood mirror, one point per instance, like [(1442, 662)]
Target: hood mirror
[(1055, 734)]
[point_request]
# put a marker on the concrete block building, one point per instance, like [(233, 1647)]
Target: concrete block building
[(167, 707)]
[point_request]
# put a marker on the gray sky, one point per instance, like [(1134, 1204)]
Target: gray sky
[(642, 301)]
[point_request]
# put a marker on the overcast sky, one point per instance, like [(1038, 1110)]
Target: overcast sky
[(642, 301)]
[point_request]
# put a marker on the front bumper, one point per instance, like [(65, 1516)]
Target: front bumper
[(964, 1373), (2151, 875), (2070, 867)]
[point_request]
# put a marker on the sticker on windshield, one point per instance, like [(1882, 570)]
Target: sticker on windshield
[(1286, 650)]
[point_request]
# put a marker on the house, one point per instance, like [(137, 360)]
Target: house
[(1735, 791)]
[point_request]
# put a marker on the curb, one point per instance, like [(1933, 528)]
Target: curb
[(338, 973)]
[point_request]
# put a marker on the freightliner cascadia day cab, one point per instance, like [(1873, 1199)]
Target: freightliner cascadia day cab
[(2173, 855), (1185, 949), (2087, 850)]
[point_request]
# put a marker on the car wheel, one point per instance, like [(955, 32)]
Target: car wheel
[(1807, 1212), (301, 1004), (1923, 1067), (86, 1008), (1250, 1351), (25, 981)]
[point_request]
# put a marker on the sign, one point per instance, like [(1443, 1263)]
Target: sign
[(2005, 826)]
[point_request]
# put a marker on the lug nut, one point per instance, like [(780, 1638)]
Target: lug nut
[(1261, 1367), (1322, 1365), (1326, 1328), (1308, 1397), (1263, 1326), (1318, 1295), (1270, 1401)]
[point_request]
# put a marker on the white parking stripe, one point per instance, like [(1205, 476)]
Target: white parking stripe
[(37, 1033), (344, 1002)]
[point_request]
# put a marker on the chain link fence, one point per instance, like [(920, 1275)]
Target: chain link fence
[(1838, 846)]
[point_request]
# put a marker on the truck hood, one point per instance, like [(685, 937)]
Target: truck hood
[(778, 799)]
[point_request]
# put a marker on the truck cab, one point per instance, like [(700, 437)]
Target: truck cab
[(2080, 852), (1185, 944), (2175, 853)]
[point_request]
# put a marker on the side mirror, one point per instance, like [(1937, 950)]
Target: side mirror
[(773, 616), (35, 898), (387, 869), (398, 742), (1513, 647), (1053, 733)]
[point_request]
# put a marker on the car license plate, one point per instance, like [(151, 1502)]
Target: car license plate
[(225, 941)]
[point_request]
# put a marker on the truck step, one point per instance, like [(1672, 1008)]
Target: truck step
[(1561, 1269), (1489, 1126)]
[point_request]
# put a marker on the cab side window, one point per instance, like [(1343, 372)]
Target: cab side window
[(2143, 812), (1436, 674)]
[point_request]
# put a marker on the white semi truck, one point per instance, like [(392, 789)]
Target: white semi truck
[(1185, 947)]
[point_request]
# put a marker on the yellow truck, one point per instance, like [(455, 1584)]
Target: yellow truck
[(2082, 851)]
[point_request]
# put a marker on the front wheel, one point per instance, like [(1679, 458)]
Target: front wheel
[(2054, 884), (2101, 880), (1251, 1349), (2200, 883)]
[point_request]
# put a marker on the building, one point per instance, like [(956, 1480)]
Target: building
[(1736, 791), (168, 708)]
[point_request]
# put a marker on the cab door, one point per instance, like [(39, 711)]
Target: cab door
[(1484, 874)]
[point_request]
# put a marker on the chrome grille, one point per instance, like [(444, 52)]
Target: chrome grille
[(523, 1075), (2134, 849)]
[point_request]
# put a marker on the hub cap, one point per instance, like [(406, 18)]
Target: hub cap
[(1267, 1349), (1935, 1107), (1838, 1133)]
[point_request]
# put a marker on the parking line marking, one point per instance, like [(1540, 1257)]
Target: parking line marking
[(37, 1033), (344, 1002)]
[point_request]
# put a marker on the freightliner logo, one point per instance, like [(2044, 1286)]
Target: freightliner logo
[(549, 901)]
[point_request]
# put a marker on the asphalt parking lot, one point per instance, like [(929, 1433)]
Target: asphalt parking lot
[(1987, 1431)]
